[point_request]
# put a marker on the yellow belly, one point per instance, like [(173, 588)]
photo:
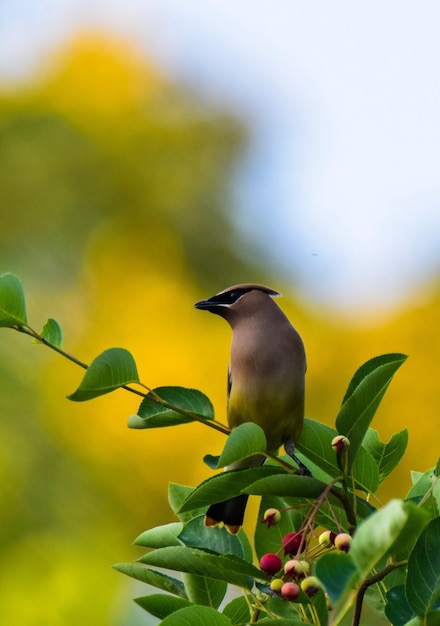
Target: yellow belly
[(280, 417)]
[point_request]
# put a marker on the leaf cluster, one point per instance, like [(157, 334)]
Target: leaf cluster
[(393, 562)]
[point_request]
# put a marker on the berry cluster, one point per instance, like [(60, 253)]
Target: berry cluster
[(297, 572)]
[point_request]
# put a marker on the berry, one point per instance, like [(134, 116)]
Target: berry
[(276, 584), (343, 542), (340, 443), (290, 591), (293, 543), (293, 569), (271, 517), (311, 585), (327, 539), (305, 567), (270, 563)]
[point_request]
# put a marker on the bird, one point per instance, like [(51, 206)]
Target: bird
[(266, 381)]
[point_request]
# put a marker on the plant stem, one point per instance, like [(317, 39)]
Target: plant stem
[(367, 583), (27, 330)]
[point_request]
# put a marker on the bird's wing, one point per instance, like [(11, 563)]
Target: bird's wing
[(229, 381)]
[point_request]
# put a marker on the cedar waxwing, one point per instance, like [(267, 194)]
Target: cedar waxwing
[(266, 380)]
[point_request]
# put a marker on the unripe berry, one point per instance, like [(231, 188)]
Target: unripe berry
[(327, 539), (311, 585), (343, 542), (271, 517), (290, 591), (305, 567), (293, 543), (293, 569), (340, 443), (270, 563), (276, 584)]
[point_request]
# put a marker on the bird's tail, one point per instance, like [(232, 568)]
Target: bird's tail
[(229, 512)]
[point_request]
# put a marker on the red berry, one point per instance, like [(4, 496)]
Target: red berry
[(270, 563), (293, 543), (290, 591)]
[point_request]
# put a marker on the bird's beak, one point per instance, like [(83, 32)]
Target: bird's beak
[(202, 304), (205, 305)]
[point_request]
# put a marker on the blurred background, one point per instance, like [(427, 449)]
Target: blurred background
[(153, 153)]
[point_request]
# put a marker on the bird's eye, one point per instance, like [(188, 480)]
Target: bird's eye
[(234, 295)]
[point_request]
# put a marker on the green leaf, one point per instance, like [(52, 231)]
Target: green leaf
[(229, 568), (285, 610), (205, 591), (161, 605), (109, 371), (337, 572), (12, 301), (397, 609), (154, 415), (52, 332), (160, 536), (225, 485), (177, 495), (425, 492), (151, 577), (245, 441), (211, 460), (196, 616), (316, 444), (196, 535), (281, 621), (422, 483), (363, 397), (367, 368), (423, 579), (287, 485), (391, 530), (365, 471), (238, 611), (386, 455)]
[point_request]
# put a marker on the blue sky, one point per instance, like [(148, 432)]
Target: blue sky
[(342, 182)]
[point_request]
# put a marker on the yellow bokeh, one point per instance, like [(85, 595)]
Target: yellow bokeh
[(115, 195)]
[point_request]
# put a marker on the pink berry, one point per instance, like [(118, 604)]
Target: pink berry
[(343, 542), (290, 591), (293, 569), (271, 517), (270, 563), (340, 443), (293, 543)]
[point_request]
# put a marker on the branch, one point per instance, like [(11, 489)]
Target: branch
[(27, 330), (367, 583)]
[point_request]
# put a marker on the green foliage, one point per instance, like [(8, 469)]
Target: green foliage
[(52, 332), (388, 557), (363, 397), (111, 370), (423, 580), (244, 441), (153, 415), (12, 304)]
